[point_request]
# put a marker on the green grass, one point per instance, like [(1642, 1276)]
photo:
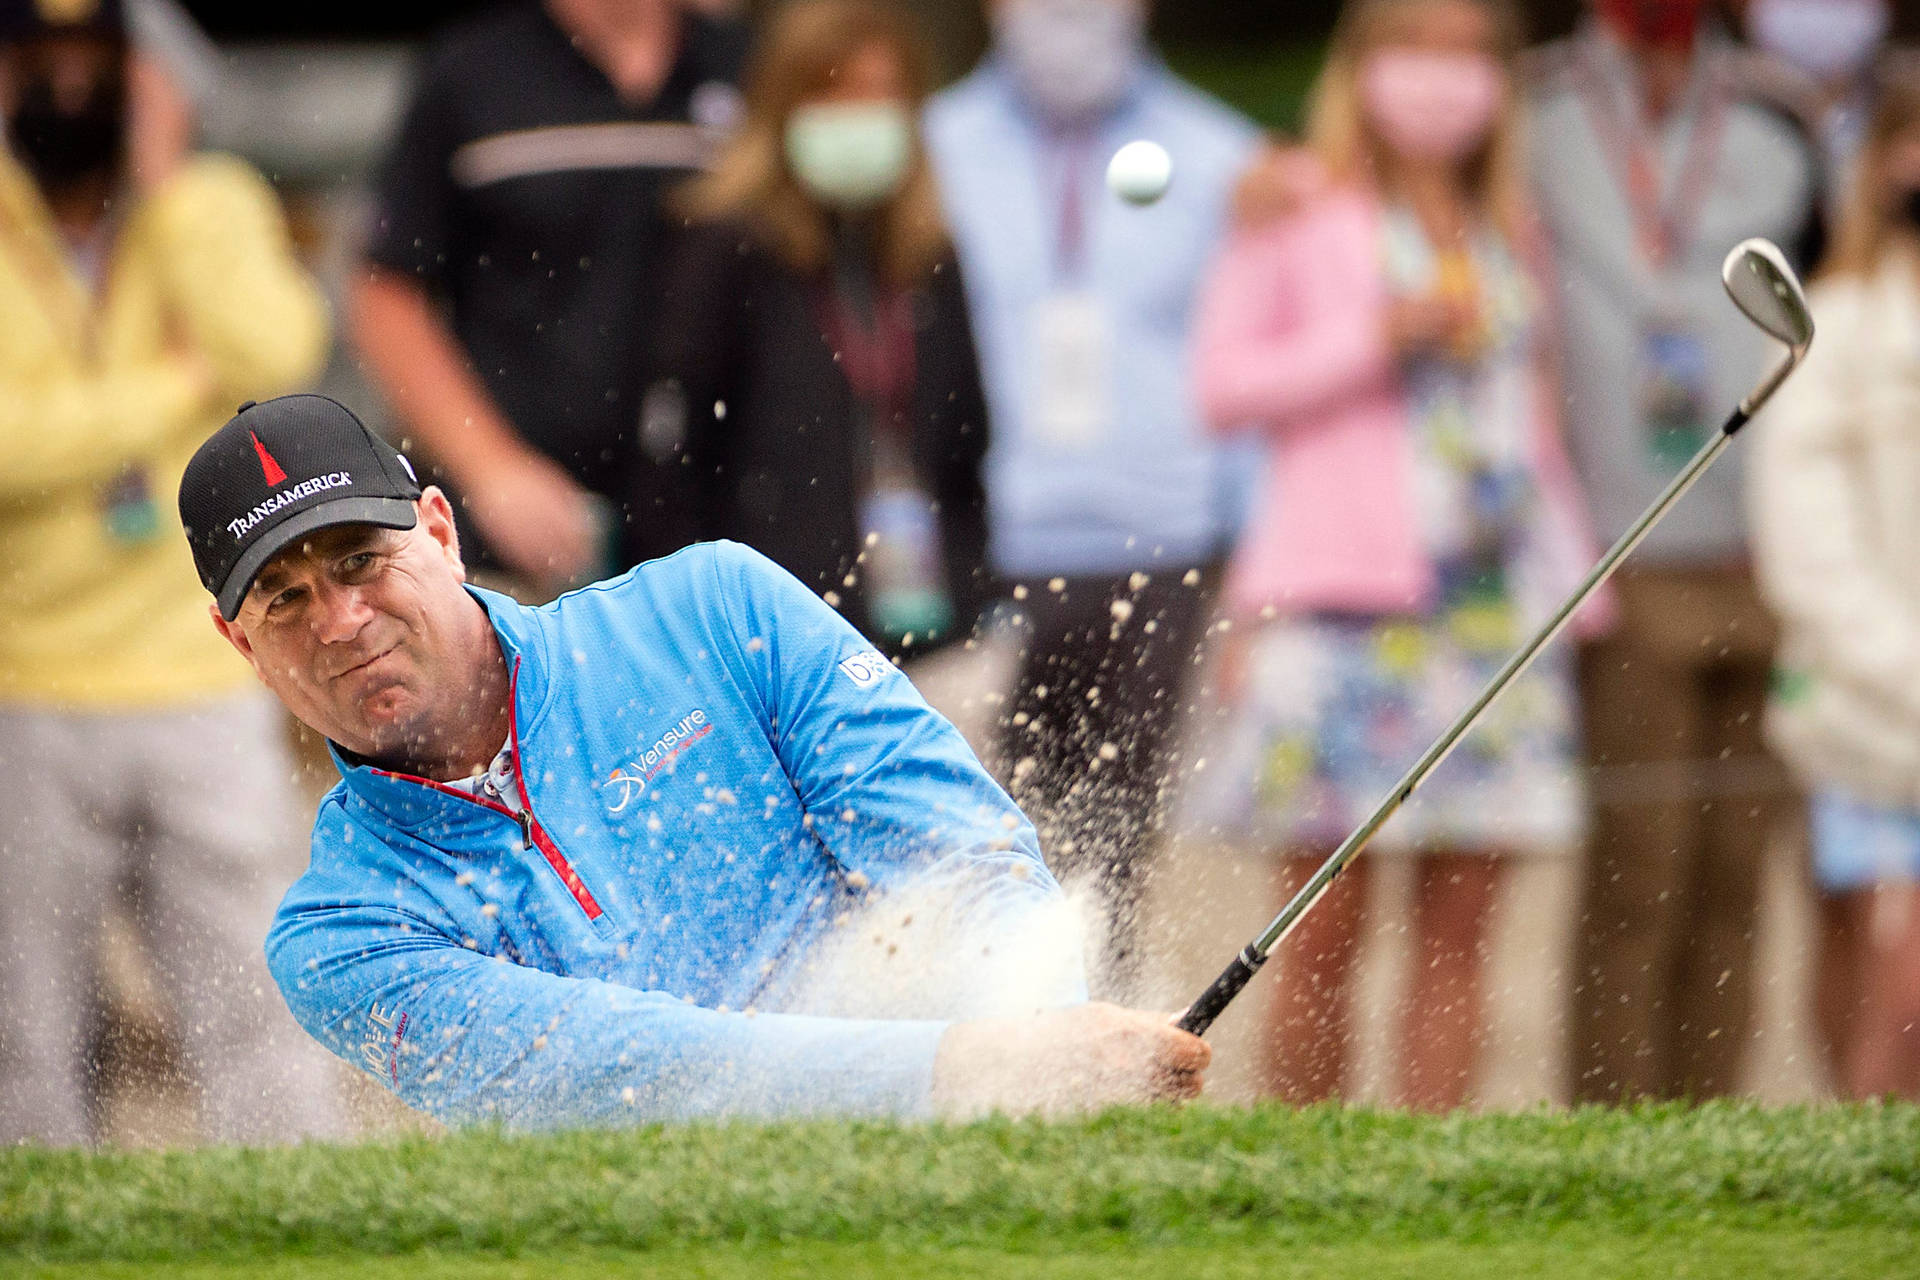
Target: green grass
[(1703, 1253), (1350, 1186)]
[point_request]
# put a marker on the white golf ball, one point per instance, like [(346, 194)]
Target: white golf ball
[(1140, 171)]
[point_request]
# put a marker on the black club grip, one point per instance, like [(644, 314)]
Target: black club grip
[(1201, 1013)]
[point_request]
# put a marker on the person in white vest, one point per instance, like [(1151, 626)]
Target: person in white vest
[(1835, 502)]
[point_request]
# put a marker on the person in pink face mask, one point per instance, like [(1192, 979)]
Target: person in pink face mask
[(1386, 336)]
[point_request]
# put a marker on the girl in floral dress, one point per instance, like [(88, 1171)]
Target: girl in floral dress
[(1386, 336)]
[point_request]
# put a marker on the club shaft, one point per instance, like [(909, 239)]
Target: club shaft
[(1201, 1013)]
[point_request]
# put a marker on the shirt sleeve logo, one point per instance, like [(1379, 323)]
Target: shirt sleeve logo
[(866, 667)]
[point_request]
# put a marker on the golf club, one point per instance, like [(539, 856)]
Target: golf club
[(1763, 286)]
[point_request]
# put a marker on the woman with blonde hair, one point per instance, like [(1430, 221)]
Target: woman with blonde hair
[(1835, 490), (813, 360), (1386, 336)]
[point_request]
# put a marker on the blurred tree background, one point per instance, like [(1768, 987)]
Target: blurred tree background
[(1227, 22), (1259, 55)]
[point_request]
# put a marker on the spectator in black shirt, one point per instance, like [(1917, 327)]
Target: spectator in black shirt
[(813, 351), (512, 261)]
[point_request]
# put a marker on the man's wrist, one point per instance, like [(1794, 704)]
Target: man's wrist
[(973, 1072), (490, 464)]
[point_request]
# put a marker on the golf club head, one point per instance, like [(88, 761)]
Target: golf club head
[(1763, 286)]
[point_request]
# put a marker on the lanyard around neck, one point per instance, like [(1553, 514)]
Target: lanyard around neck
[(1066, 157), (1663, 223), (871, 329)]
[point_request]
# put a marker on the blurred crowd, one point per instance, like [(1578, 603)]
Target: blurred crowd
[(1259, 481)]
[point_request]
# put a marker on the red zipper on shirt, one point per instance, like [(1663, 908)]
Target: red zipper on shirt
[(532, 834)]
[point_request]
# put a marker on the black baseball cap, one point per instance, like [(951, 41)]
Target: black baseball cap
[(279, 470), (23, 20)]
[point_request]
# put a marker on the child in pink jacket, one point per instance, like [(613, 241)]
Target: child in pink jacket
[(1420, 518)]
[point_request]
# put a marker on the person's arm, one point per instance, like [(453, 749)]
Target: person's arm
[(893, 793), (1273, 343), (62, 429), (248, 307), (471, 1039), (1813, 547), (890, 789), (476, 1039), (531, 512), (535, 517), (1281, 179)]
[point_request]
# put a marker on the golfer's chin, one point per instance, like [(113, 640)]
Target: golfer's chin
[(387, 718)]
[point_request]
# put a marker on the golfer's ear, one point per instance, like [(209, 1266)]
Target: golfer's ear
[(232, 634), (436, 517)]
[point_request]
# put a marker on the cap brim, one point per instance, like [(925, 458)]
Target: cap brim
[(388, 513)]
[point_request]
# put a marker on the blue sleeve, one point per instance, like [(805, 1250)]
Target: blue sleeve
[(470, 1038), (889, 786)]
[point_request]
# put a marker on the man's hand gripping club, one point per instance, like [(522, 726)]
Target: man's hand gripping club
[(1066, 1061)]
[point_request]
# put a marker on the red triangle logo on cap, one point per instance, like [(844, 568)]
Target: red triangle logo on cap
[(268, 467)]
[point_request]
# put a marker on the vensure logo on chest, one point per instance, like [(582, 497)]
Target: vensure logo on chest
[(630, 781)]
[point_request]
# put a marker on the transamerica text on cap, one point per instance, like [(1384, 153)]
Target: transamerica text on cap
[(305, 489)]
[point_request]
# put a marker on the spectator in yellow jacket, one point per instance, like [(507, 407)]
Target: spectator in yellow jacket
[(130, 327)]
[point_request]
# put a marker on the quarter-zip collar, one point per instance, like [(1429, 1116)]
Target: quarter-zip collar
[(404, 801), (408, 801)]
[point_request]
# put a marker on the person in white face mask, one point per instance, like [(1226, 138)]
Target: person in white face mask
[(1834, 44), (1110, 507), (813, 358)]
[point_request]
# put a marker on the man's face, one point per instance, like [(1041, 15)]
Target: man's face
[(360, 631), (65, 103), (1073, 60), (75, 69)]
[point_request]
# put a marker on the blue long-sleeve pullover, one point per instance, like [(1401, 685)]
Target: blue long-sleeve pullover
[(716, 767)]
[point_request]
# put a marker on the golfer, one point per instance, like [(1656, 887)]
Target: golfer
[(679, 844)]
